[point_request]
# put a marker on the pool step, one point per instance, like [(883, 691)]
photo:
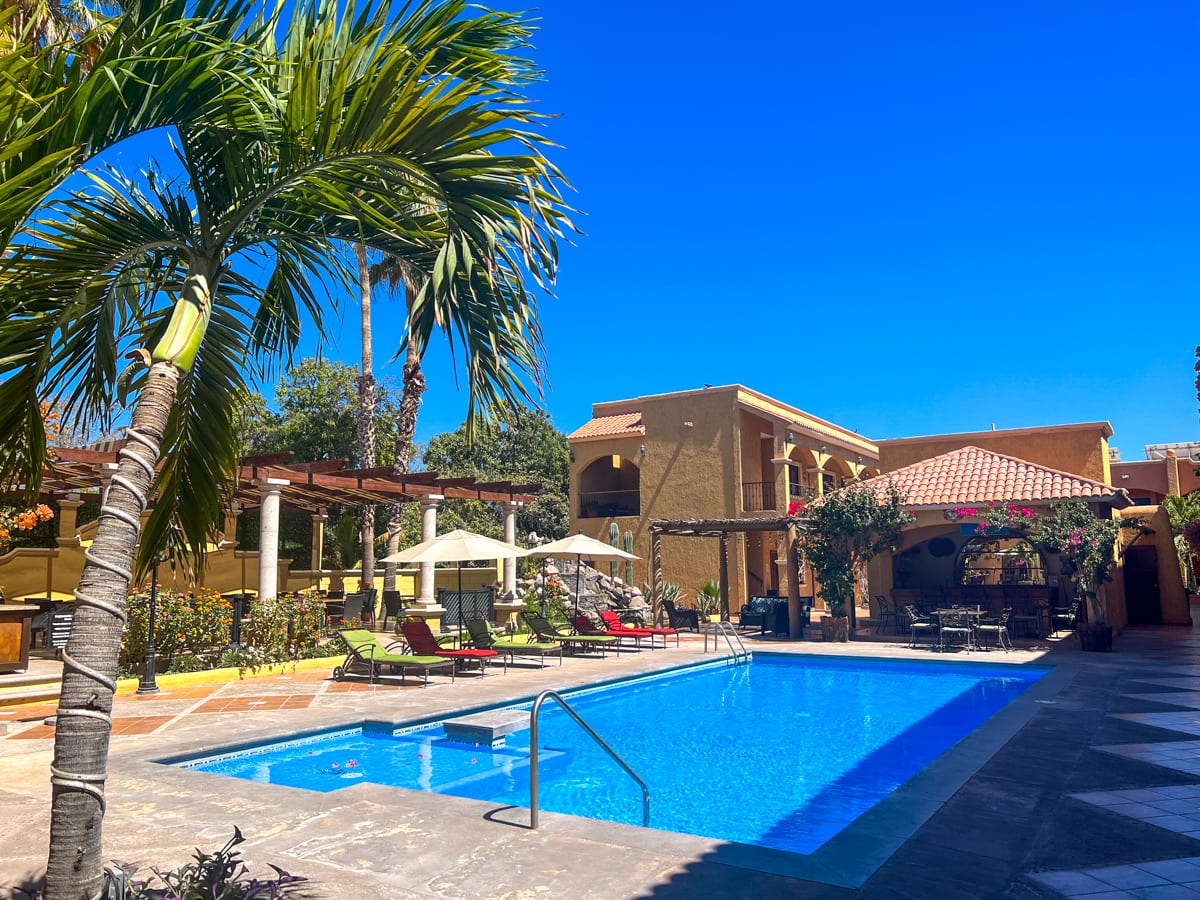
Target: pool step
[(486, 727)]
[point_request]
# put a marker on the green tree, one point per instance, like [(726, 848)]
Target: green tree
[(846, 529), (315, 413), (1184, 512), (355, 126), (524, 449)]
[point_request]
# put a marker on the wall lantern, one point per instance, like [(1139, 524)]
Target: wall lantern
[(616, 460), (642, 449)]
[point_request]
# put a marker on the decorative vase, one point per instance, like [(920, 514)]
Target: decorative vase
[(835, 628)]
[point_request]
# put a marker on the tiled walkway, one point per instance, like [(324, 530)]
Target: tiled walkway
[(1097, 795)]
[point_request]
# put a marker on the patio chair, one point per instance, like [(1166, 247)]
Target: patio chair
[(544, 631), (680, 619), (418, 637), (482, 638), (585, 626), (349, 611), (759, 613), (887, 613), (613, 623), (366, 650), (996, 629), (954, 626), (919, 625), (1064, 618), (393, 604)]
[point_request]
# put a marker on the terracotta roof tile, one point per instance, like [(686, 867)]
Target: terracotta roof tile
[(610, 426), (975, 475)]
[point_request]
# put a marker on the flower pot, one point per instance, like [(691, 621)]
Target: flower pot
[(1095, 638), (835, 628)]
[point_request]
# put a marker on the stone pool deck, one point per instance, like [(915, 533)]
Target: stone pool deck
[(1089, 785)]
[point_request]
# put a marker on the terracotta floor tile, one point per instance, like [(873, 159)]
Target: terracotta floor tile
[(28, 713), (37, 731), (140, 724)]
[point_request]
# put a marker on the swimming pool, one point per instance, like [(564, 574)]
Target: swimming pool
[(781, 753)]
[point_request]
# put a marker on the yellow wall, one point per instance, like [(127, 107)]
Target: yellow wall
[(1078, 449)]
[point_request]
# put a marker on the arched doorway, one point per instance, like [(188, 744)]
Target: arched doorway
[(610, 486)]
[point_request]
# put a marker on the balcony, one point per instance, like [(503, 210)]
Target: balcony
[(801, 492), (758, 495), (607, 504)]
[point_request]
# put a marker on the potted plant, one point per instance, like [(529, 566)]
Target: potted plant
[(708, 600), (846, 529)]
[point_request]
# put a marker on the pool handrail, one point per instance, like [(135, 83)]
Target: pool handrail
[(725, 629), (533, 757)]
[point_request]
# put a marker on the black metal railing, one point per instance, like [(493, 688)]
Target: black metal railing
[(758, 495), (606, 504), (801, 492)]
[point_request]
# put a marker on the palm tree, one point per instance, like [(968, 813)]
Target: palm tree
[(405, 135)]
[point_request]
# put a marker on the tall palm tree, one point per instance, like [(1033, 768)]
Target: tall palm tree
[(366, 411), (389, 133)]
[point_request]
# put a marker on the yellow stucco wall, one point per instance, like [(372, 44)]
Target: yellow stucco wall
[(1078, 449)]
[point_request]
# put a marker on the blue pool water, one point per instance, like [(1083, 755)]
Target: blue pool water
[(783, 752)]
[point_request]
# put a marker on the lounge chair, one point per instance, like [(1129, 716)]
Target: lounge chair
[(585, 626), (483, 639), (366, 650), (544, 631), (613, 623), (421, 640), (681, 618)]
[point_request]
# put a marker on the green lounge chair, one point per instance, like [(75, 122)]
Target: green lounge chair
[(544, 631), (482, 637), (366, 650)]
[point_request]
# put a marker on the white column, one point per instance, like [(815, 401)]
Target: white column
[(509, 507), (429, 507), (318, 541), (268, 537)]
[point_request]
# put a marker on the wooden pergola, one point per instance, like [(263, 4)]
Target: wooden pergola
[(303, 487), (786, 526)]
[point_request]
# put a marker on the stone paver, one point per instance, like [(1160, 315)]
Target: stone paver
[(1037, 810)]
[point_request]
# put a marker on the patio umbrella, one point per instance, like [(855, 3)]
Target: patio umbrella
[(580, 545), (456, 546)]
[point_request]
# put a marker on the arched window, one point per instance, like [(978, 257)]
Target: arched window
[(609, 487)]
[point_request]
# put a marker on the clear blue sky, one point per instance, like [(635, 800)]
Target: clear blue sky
[(907, 218)]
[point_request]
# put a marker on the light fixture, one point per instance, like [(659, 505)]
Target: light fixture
[(689, 424), (642, 449), (616, 459), (824, 450), (791, 438), (571, 454), (858, 459)]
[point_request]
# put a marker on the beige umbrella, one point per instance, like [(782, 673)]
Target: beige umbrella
[(456, 546), (580, 545)]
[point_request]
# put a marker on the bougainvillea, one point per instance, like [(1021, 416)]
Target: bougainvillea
[(12, 521)]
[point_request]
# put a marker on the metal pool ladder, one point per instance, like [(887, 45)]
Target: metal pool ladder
[(533, 757), (732, 638)]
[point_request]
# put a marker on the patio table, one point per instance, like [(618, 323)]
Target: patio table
[(972, 616)]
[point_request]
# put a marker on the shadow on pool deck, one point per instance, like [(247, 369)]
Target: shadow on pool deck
[(1013, 816)]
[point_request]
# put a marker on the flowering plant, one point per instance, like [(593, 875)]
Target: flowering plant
[(1070, 528), (25, 520), (797, 508)]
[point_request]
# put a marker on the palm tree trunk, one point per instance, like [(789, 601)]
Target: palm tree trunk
[(412, 381), (75, 868), (366, 414)]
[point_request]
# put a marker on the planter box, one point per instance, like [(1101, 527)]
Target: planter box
[(1096, 638), (835, 628)]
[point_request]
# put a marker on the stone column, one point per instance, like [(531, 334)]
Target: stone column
[(68, 520), (318, 542), (229, 519), (509, 508), (427, 595), (268, 537)]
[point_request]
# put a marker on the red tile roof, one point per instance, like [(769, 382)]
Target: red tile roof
[(610, 426), (975, 475)]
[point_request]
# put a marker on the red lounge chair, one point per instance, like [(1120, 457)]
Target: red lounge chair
[(586, 626), (613, 623), (418, 637)]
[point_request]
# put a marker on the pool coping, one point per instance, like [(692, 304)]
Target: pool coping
[(848, 859)]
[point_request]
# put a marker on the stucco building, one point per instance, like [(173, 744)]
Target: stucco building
[(730, 452)]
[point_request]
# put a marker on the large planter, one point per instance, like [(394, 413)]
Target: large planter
[(835, 628), (1095, 638)]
